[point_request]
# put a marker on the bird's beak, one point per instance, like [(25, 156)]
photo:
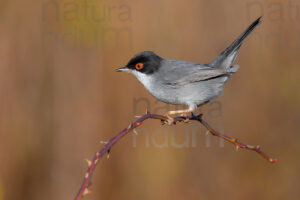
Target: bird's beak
[(122, 69)]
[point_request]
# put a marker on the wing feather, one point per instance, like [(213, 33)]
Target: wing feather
[(175, 72)]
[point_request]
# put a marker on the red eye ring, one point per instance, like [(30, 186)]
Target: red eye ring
[(139, 66)]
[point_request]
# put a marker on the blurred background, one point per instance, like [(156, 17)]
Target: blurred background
[(61, 96)]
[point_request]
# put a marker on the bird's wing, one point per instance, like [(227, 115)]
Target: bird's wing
[(175, 73)]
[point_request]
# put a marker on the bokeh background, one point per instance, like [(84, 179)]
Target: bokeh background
[(61, 96)]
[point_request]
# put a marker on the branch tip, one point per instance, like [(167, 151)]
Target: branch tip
[(274, 160)]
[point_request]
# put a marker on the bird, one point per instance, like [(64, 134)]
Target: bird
[(186, 83)]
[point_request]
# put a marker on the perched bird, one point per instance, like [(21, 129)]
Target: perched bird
[(182, 82)]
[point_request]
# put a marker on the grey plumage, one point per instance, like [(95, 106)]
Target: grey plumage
[(187, 83)]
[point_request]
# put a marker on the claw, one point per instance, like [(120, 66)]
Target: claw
[(187, 120), (170, 120), (185, 115)]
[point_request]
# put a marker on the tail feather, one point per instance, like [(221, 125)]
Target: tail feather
[(226, 58)]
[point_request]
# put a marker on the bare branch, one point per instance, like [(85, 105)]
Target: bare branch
[(83, 190)]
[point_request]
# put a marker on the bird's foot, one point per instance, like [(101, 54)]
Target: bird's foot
[(182, 113), (186, 120), (170, 120), (185, 115)]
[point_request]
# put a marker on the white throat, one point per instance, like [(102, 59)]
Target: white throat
[(145, 79)]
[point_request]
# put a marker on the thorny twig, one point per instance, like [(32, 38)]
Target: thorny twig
[(83, 190)]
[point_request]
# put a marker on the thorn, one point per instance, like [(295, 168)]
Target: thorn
[(88, 162), (257, 147), (207, 133), (135, 132), (137, 116), (129, 126), (108, 151), (86, 192), (147, 112), (237, 147), (103, 142)]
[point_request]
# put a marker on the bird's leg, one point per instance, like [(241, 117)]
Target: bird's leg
[(183, 113)]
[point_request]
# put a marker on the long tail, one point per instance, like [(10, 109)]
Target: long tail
[(226, 58)]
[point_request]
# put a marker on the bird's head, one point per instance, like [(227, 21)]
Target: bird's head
[(146, 62)]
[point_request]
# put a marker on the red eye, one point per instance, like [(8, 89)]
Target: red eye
[(139, 66)]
